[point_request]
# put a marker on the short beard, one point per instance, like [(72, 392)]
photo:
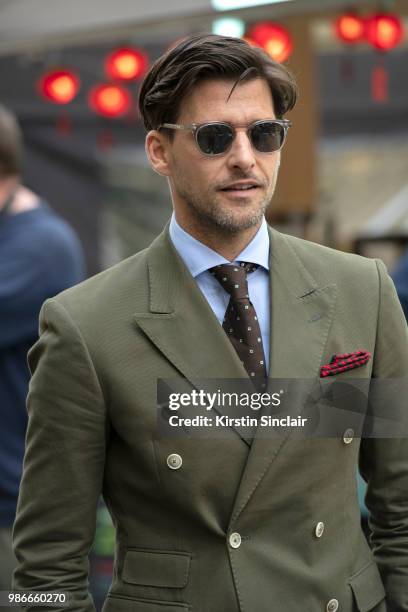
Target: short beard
[(224, 221), (209, 215)]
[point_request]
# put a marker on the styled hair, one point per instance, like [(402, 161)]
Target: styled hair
[(10, 144), (209, 56)]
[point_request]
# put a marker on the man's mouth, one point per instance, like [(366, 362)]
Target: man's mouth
[(241, 186)]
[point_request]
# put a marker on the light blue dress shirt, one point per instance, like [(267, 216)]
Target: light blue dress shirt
[(199, 258)]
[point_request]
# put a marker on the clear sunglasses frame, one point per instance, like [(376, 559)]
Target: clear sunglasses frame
[(195, 128)]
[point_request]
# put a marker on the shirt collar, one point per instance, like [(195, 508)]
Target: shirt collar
[(198, 257)]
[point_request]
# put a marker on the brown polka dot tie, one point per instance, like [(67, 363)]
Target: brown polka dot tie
[(240, 321)]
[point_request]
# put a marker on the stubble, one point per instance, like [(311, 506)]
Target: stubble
[(210, 211)]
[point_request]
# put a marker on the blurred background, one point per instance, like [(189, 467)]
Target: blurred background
[(71, 72)]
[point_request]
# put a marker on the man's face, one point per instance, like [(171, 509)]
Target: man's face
[(202, 186)]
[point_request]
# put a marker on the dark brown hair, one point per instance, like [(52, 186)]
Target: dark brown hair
[(10, 144), (208, 56)]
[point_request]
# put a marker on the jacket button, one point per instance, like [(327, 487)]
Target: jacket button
[(332, 605), (235, 540), (174, 461), (319, 529), (348, 436)]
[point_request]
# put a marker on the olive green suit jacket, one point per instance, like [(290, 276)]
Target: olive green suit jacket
[(92, 430)]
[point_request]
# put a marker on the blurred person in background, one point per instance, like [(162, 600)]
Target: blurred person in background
[(39, 256), (400, 277)]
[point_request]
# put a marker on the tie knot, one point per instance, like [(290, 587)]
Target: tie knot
[(233, 278)]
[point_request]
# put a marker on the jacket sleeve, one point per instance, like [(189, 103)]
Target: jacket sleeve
[(63, 464), (384, 461)]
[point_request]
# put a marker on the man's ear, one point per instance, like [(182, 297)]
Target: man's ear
[(157, 151)]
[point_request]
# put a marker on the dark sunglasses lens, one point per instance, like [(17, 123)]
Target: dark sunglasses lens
[(215, 138), (267, 136)]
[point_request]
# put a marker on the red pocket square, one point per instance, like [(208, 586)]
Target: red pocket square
[(343, 362)]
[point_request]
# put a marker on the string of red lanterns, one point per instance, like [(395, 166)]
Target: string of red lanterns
[(61, 86), (383, 31)]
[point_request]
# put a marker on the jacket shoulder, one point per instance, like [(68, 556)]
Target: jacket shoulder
[(109, 289), (328, 265)]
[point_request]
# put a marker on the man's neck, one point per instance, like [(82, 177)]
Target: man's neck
[(7, 187), (23, 199), (226, 244)]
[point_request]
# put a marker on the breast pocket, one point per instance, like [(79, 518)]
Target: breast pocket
[(368, 589)]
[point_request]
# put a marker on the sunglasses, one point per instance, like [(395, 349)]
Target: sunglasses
[(216, 137)]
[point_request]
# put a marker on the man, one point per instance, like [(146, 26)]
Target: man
[(210, 524), (39, 257)]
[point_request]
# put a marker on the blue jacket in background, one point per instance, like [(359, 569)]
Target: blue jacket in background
[(400, 278), (39, 256)]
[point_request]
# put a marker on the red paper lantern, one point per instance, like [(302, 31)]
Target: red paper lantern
[(384, 31), (273, 38), (126, 64), (350, 28), (110, 100), (59, 86)]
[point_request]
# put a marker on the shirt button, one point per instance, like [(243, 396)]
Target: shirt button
[(174, 461), (348, 436), (319, 529), (235, 540), (332, 605)]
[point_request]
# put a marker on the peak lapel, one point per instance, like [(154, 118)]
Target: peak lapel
[(301, 315), (181, 323)]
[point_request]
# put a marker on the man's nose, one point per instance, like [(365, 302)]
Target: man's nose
[(241, 154)]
